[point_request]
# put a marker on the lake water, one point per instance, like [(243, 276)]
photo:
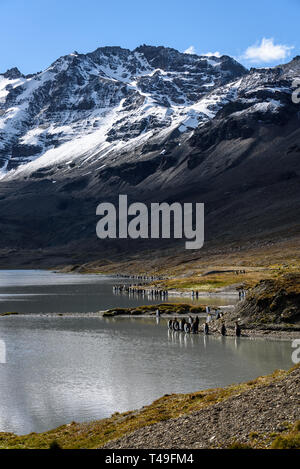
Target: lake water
[(60, 369), (38, 291), (57, 369)]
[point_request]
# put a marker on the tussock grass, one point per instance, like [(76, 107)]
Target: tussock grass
[(288, 440), (9, 313), (164, 308)]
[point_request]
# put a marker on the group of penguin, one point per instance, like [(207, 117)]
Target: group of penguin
[(192, 326)]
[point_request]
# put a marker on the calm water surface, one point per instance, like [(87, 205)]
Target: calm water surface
[(64, 368), (60, 369), (38, 291)]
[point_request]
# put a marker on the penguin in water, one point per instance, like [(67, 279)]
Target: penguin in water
[(194, 327), (187, 328), (175, 325), (170, 324), (182, 324), (237, 329)]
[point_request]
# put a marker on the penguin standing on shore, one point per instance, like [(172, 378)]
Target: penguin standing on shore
[(175, 325), (237, 329), (182, 324), (223, 329)]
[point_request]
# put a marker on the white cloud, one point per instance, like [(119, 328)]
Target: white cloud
[(212, 54), (190, 50), (267, 51)]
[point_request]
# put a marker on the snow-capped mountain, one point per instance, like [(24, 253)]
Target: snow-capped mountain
[(154, 124), (110, 99)]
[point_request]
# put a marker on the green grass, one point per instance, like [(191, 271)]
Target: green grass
[(8, 313), (239, 445), (164, 308), (289, 440)]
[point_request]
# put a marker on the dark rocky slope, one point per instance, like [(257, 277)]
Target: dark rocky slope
[(255, 417), (273, 302)]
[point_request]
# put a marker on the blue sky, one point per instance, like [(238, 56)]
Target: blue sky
[(257, 33)]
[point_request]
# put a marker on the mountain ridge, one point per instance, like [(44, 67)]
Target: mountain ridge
[(159, 135), (93, 85)]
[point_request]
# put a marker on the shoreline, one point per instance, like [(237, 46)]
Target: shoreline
[(218, 293), (253, 332), (256, 424)]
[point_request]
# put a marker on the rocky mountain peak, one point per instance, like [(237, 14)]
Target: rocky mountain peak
[(13, 73), (113, 101), (292, 67)]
